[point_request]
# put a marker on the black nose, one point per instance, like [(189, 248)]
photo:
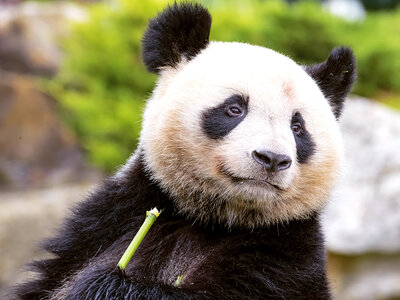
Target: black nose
[(272, 162)]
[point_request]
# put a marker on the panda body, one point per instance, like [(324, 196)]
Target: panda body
[(240, 148)]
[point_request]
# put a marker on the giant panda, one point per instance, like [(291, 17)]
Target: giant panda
[(240, 147)]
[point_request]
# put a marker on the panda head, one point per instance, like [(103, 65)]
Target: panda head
[(237, 134)]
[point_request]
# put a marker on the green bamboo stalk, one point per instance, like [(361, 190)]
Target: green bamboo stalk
[(178, 280), (150, 219)]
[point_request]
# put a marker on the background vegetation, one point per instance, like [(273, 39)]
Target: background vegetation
[(102, 85)]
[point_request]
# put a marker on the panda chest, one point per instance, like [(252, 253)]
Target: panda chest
[(178, 250), (180, 264), (185, 261)]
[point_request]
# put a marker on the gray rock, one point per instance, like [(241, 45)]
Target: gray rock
[(367, 277), (364, 214), (36, 149), (25, 219), (29, 33)]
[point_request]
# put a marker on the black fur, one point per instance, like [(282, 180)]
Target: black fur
[(216, 123), (335, 77), (181, 30), (277, 262), (304, 143), (106, 281)]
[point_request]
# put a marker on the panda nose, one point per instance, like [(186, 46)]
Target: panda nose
[(272, 162)]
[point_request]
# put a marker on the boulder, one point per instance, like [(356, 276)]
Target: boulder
[(363, 215), (27, 217), (365, 277), (36, 148), (362, 221), (29, 34)]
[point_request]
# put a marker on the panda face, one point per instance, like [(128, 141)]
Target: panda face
[(236, 126), (241, 135)]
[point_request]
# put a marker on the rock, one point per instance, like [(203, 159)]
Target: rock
[(28, 34), (363, 216), (36, 149), (366, 277), (362, 221), (25, 219)]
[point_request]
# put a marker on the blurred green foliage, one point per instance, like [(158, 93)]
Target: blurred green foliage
[(102, 85)]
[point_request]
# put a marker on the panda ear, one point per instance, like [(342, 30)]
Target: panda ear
[(335, 77), (179, 32)]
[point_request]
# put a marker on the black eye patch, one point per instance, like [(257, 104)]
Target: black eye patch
[(304, 144), (218, 121)]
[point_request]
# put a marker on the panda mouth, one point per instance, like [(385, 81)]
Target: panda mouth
[(241, 180), (256, 181)]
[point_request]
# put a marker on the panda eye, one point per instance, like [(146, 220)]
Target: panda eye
[(234, 111), (296, 127)]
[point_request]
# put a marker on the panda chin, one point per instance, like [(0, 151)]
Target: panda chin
[(262, 183)]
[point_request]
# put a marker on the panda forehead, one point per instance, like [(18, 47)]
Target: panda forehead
[(222, 69), (244, 64)]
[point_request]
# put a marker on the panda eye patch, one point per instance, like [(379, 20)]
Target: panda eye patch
[(233, 111), (296, 127), (305, 145), (218, 121)]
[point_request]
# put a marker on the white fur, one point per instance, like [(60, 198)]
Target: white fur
[(185, 161)]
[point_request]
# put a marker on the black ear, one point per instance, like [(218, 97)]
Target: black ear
[(335, 77), (180, 31)]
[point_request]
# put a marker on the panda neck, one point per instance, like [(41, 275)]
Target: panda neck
[(136, 184)]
